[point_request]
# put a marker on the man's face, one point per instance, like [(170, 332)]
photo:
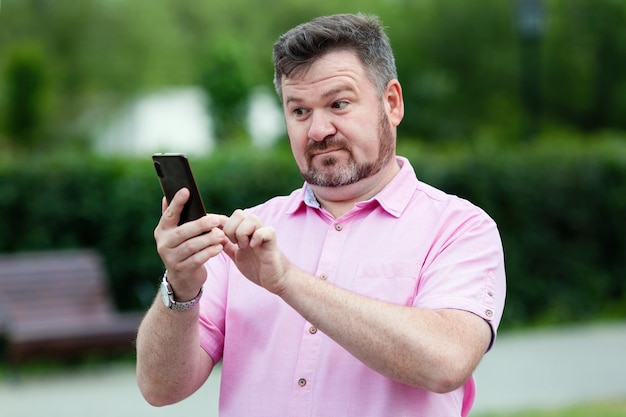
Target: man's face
[(338, 126)]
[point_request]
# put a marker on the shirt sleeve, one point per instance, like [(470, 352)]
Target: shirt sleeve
[(465, 269)]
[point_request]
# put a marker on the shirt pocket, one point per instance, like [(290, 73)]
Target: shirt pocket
[(392, 282)]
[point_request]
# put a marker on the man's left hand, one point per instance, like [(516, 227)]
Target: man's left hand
[(252, 247)]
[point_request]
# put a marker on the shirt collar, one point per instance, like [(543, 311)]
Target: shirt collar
[(393, 198), (302, 198), (397, 194)]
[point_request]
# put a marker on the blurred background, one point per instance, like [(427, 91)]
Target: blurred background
[(516, 105)]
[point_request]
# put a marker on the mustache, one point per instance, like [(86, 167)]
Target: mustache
[(332, 142)]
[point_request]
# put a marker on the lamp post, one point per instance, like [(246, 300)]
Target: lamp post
[(531, 26)]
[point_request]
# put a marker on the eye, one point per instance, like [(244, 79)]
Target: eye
[(299, 112), (340, 104)]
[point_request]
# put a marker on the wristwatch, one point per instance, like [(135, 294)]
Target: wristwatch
[(168, 297)]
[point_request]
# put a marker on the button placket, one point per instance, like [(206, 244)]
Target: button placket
[(312, 338)]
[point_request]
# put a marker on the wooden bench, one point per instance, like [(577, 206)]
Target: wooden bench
[(56, 304)]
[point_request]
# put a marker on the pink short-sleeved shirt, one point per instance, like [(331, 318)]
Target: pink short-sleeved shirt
[(410, 245)]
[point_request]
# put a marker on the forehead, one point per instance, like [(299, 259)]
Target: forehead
[(337, 67)]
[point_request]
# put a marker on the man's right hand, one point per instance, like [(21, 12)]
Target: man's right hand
[(184, 249)]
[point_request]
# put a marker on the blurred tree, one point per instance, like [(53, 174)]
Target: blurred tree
[(585, 64), (27, 84), (458, 61), (227, 82)]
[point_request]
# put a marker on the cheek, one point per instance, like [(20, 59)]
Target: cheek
[(297, 138)]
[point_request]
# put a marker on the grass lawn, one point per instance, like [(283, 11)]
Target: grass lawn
[(602, 409)]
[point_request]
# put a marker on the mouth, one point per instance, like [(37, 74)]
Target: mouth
[(327, 151)]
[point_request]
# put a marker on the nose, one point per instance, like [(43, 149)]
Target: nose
[(321, 127)]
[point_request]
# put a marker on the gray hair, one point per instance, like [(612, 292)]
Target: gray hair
[(301, 46)]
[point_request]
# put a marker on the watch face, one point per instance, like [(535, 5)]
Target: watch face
[(165, 294)]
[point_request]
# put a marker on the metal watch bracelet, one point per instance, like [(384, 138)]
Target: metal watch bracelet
[(167, 295)]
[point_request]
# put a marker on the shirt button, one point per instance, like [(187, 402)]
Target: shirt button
[(338, 227), (324, 277), (302, 382), (312, 329), (489, 313)]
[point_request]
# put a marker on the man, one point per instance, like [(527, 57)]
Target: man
[(365, 293)]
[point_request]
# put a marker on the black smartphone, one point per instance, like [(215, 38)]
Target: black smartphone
[(174, 173)]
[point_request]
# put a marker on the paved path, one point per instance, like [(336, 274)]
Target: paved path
[(553, 368), (105, 392), (536, 369)]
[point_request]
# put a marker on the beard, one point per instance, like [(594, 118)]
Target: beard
[(334, 173)]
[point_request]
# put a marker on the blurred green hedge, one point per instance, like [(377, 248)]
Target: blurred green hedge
[(560, 206)]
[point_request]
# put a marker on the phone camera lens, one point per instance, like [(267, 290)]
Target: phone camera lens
[(157, 166)]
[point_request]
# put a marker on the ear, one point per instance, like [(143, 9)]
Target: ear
[(393, 102)]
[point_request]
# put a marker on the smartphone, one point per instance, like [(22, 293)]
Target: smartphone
[(174, 173)]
